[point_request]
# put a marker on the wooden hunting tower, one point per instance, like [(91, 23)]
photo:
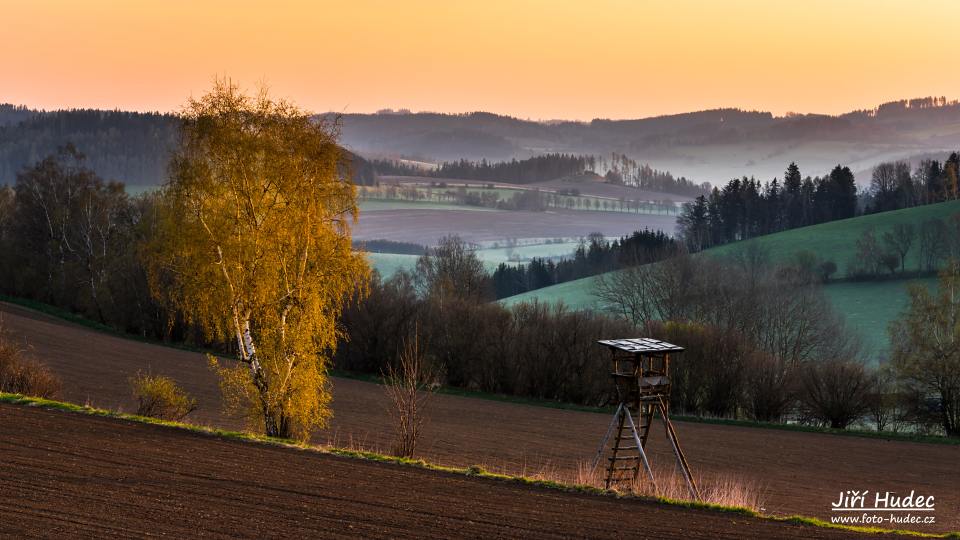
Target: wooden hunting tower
[(641, 373)]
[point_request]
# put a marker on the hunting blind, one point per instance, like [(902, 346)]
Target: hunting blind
[(641, 373)]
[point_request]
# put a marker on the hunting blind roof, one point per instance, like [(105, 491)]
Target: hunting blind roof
[(641, 345)]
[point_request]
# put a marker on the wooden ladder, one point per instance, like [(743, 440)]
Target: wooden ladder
[(626, 452)]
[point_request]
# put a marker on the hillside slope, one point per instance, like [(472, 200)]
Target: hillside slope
[(836, 240), (867, 306)]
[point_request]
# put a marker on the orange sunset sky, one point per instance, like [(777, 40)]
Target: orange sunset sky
[(532, 59)]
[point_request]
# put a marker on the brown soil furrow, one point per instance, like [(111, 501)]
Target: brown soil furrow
[(293, 493)]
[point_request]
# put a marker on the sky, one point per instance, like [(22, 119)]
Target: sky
[(526, 58)]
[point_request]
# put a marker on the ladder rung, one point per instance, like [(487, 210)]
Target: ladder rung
[(619, 458), (624, 468), (625, 448)]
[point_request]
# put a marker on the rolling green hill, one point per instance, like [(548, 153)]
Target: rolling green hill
[(836, 241), (868, 306)]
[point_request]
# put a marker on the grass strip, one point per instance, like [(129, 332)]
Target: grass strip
[(472, 471)]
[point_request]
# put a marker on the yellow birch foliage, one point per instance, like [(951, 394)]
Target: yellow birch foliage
[(253, 245)]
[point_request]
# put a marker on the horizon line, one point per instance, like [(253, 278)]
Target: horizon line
[(402, 111)]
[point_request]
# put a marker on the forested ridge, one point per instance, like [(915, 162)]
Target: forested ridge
[(132, 147), (129, 147)]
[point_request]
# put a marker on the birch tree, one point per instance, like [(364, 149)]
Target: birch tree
[(253, 245), (926, 346)]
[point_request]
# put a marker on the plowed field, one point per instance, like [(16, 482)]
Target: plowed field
[(798, 473)]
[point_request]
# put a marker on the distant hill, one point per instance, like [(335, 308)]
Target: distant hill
[(706, 146), (130, 147), (126, 146), (711, 146)]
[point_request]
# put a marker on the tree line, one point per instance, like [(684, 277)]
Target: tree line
[(762, 340), (934, 242), (595, 255), (894, 186), (525, 171), (621, 169), (118, 145), (71, 239), (745, 207), (534, 200), (618, 169)]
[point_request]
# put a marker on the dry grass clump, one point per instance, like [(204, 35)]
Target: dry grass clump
[(21, 374), (160, 397), (720, 490)]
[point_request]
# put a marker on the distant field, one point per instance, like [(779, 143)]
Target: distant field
[(426, 226), (867, 306), (376, 205), (576, 294), (525, 253), (870, 306), (585, 185), (593, 196), (613, 191), (388, 263)]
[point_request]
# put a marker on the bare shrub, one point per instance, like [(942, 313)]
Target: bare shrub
[(20, 374), (160, 397), (884, 402), (409, 385), (770, 387), (835, 392)]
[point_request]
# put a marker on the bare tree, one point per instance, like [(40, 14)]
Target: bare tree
[(835, 392), (899, 240), (72, 223), (629, 293), (868, 258), (883, 398), (409, 385), (452, 269), (883, 186), (670, 290), (934, 244)]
